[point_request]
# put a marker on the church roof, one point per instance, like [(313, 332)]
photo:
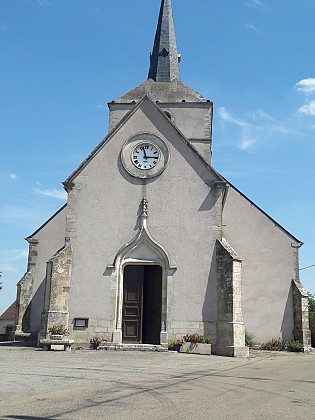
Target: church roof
[(173, 92), (163, 84), (164, 60), (9, 314)]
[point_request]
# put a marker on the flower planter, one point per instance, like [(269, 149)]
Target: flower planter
[(56, 336), (196, 348)]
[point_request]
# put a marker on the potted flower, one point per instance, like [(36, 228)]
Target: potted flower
[(196, 343), (57, 331), (175, 345), (95, 343), (197, 338)]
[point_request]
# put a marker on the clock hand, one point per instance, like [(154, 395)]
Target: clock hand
[(151, 157), (144, 154)]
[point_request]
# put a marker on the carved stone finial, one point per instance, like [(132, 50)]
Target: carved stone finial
[(144, 208)]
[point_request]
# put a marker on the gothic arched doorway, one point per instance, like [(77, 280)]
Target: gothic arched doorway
[(142, 304)]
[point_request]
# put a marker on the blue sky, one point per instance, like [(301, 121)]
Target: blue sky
[(62, 61)]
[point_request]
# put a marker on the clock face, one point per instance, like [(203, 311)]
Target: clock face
[(145, 155)]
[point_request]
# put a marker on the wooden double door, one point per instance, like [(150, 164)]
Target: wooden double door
[(142, 304)]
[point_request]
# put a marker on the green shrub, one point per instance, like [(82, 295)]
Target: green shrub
[(274, 344), (311, 314), (312, 328), (292, 345), (311, 306), (280, 345), (249, 339)]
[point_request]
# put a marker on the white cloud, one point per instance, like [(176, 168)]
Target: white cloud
[(254, 3), (259, 114), (20, 255), (306, 86), (246, 143), (11, 259), (53, 193), (8, 268), (247, 140), (226, 116), (251, 27), (13, 254), (13, 177), (308, 109), (43, 2), (255, 128)]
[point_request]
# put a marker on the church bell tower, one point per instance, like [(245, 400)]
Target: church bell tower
[(190, 112)]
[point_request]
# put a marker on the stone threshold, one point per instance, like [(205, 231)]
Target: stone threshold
[(133, 347)]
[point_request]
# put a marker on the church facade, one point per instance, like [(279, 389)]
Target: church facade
[(153, 243)]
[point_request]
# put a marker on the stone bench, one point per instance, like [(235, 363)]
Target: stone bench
[(49, 344)]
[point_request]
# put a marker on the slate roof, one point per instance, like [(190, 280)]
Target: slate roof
[(173, 92), (164, 60), (9, 314), (163, 84)]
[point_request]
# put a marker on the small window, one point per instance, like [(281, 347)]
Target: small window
[(80, 323)]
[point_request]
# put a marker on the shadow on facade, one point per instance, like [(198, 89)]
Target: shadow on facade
[(209, 309), (287, 325), (32, 314), (210, 200)]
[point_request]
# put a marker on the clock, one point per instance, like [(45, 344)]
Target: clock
[(144, 155)]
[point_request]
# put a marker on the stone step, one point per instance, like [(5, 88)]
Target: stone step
[(132, 347)]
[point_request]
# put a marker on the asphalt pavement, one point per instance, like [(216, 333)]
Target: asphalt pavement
[(87, 384)]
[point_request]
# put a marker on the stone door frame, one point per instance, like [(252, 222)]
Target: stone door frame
[(142, 250)]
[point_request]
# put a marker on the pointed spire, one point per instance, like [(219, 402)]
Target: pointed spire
[(164, 60)]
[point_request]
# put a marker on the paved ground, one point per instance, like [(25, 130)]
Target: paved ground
[(136, 385)]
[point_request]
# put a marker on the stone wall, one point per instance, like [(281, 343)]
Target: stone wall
[(301, 320), (230, 336), (56, 305)]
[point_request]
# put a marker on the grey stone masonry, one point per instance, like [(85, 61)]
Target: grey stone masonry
[(133, 347), (49, 344), (56, 305), (25, 292), (302, 331), (230, 335)]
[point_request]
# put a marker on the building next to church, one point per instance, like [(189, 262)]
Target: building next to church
[(7, 321), (153, 243)]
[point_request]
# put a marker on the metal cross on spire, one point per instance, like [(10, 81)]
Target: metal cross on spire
[(164, 60)]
